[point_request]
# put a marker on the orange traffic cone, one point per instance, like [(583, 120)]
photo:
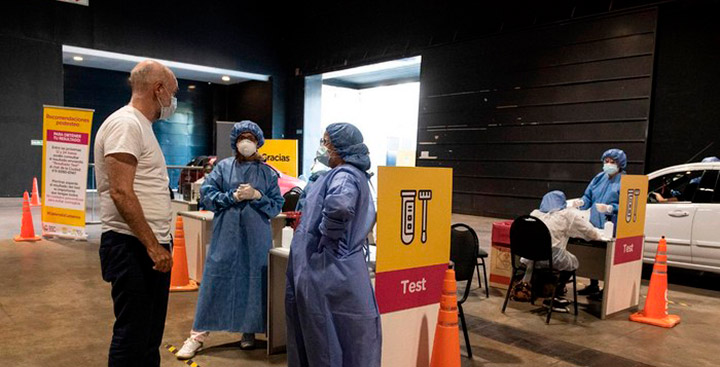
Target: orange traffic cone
[(656, 311), (179, 279), (446, 347), (35, 201), (27, 231)]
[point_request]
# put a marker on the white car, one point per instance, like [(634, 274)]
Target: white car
[(687, 213)]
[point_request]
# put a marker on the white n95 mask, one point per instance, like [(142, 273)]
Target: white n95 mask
[(246, 147)]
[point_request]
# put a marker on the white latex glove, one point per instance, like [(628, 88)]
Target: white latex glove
[(246, 192), (578, 203), (601, 235), (603, 208)]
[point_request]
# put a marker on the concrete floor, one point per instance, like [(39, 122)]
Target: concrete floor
[(56, 310)]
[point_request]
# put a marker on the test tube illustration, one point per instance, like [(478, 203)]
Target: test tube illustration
[(407, 235), (635, 209), (629, 205), (425, 196)]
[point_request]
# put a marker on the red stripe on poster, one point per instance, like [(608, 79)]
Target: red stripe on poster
[(67, 137), (409, 288)]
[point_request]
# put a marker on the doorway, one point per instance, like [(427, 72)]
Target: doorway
[(382, 100)]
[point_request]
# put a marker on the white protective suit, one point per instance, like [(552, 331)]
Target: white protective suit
[(563, 225)]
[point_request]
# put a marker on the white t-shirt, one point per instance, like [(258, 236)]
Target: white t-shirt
[(127, 130)]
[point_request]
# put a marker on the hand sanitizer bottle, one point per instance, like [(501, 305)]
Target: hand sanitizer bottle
[(609, 229)]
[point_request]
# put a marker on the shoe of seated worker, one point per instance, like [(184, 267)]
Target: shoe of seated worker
[(248, 341), (189, 349), (588, 290), (597, 296), (558, 304), (557, 300), (560, 309)]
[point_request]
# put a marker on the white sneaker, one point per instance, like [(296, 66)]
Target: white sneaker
[(189, 348)]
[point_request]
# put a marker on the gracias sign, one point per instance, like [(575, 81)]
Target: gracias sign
[(281, 154)]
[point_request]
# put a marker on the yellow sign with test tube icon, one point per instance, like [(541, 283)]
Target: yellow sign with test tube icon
[(414, 217)]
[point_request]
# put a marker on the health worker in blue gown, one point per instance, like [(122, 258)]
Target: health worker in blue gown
[(602, 197), (332, 315), (243, 193)]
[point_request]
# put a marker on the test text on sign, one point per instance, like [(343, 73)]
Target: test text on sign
[(413, 287)]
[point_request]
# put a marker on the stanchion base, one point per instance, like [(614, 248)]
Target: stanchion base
[(667, 321)]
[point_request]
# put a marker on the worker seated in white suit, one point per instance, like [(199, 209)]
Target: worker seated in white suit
[(563, 223)]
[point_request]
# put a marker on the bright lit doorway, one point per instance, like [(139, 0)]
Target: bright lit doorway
[(381, 100)]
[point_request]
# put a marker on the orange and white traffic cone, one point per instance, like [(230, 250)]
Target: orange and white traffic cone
[(446, 346), (656, 309), (179, 279), (35, 200), (27, 231)]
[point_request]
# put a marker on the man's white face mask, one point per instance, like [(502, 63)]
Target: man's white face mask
[(167, 111)]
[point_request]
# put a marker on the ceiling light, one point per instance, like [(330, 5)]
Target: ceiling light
[(226, 78), (124, 62), (191, 86), (78, 58)]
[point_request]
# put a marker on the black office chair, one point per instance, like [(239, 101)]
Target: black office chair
[(291, 198), (463, 253), (530, 239), (482, 255)]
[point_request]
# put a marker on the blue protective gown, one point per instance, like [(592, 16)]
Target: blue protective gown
[(604, 190), (232, 293), (332, 314), (311, 182)]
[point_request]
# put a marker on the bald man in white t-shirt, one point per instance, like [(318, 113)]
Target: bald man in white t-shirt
[(132, 182)]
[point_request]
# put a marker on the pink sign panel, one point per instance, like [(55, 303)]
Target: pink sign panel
[(409, 288), (67, 137), (628, 249)]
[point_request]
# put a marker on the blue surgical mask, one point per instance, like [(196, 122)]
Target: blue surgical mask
[(323, 155), (610, 168)]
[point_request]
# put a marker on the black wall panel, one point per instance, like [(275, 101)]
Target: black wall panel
[(520, 114), (29, 81), (686, 112), (251, 101)]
